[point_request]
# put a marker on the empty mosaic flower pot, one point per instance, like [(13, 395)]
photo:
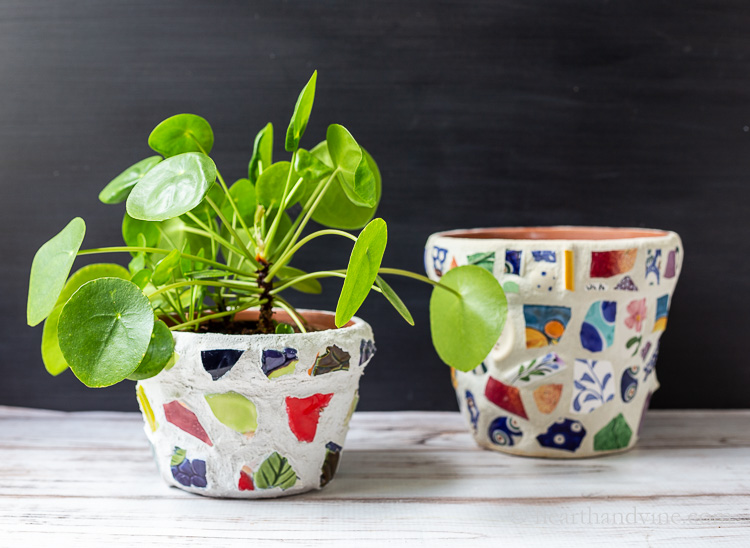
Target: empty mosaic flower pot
[(573, 372), (256, 416)]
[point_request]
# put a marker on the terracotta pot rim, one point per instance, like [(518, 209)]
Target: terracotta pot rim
[(555, 233), (322, 319)]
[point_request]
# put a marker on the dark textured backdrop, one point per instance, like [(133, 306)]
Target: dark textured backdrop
[(479, 114)]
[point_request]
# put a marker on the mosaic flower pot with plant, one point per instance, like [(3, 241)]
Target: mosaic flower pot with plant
[(573, 371), (242, 394)]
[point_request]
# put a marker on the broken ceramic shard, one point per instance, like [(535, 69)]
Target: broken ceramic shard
[(471, 405), (275, 472), (484, 260), (547, 397), (186, 472), (366, 351), (146, 409), (245, 482), (528, 372), (504, 431), (235, 411), (605, 264), (277, 363), (565, 434), (626, 284), (183, 418), (598, 328), (513, 262), (334, 359), (545, 325), (304, 415), (330, 463), (505, 396), (662, 309), (219, 362), (629, 383), (616, 435), (593, 385)]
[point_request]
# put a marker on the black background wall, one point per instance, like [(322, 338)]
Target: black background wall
[(479, 114)]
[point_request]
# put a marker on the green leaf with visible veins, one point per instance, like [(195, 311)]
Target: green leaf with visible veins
[(182, 133), (52, 356), (362, 270), (50, 269), (275, 472), (466, 324), (104, 331)]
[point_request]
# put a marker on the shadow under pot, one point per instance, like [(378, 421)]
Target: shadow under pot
[(256, 416), (573, 372)]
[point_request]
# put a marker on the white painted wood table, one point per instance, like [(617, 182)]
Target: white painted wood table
[(413, 479)]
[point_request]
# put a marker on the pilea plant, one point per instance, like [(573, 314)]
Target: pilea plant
[(202, 251)]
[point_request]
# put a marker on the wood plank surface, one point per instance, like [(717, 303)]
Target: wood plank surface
[(408, 478)]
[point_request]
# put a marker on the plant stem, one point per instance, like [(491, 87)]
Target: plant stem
[(313, 275), (208, 317), (407, 274), (298, 319), (234, 234), (234, 284), (196, 258), (288, 254), (282, 205)]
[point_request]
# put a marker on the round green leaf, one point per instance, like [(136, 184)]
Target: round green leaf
[(354, 171), (172, 188), (270, 186), (158, 354), (104, 330), (118, 189), (309, 167), (132, 227), (52, 356), (165, 267), (182, 133), (50, 269), (243, 194), (335, 210), (301, 115), (364, 264), (262, 153), (309, 285), (465, 326)]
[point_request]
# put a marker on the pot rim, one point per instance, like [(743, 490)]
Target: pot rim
[(555, 233), (322, 318)]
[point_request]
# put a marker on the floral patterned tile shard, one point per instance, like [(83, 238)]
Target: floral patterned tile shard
[(219, 362), (471, 406), (235, 411), (146, 409), (304, 414), (605, 264), (544, 256), (366, 351), (513, 262), (598, 328), (183, 418), (485, 260), (662, 310), (439, 255), (626, 284), (277, 363), (538, 368), (334, 359), (636, 315), (330, 463), (593, 385), (616, 435), (186, 472), (565, 434), (505, 397), (547, 397), (504, 431), (275, 472), (245, 482), (653, 266), (629, 383), (545, 325)]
